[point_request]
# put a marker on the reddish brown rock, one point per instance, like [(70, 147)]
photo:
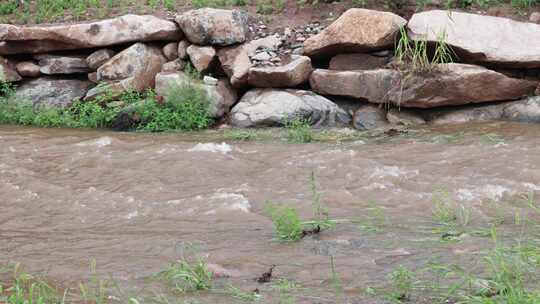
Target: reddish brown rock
[(290, 75), (235, 60), (28, 69), (170, 50), (129, 28), (368, 85), (357, 30), (202, 57), (458, 84)]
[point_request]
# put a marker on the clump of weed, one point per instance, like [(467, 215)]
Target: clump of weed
[(245, 296), (95, 289), (241, 135), (185, 276), (287, 222), (299, 130), (413, 55), (402, 280), (26, 288)]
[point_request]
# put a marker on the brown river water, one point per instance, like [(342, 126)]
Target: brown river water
[(134, 201)]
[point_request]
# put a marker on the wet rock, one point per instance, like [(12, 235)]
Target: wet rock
[(8, 72), (236, 61), (99, 57), (458, 84), (173, 66), (500, 41), (182, 49), (271, 107), (526, 110), (358, 61), (209, 26), (134, 68), (369, 117), (404, 117), (369, 85), (28, 69), (357, 30), (290, 75), (202, 57), (52, 92), (54, 65), (220, 93), (129, 28), (170, 50), (471, 113)]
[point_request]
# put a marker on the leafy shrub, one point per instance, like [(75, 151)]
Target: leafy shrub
[(286, 222), (185, 108)]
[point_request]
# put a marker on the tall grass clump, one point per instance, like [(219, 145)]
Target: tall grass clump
[(187, 276), (415, 55)]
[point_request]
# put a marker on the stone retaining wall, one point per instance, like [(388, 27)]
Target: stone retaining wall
[(345, 74)]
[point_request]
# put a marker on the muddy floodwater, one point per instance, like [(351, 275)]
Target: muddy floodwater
[(134, 202)]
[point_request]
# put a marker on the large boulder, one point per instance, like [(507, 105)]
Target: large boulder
[(129, 28), (272, 107), (236, 62), (458, 84), (219, 92), (52, 92), (170, 50), (202, 57), (481, 39), (8, 72), (289, 75), (357, 30), (136, 67), (369, 117), (210, 26), (526, 110), (357, 61), (368, 85), (54, 64)]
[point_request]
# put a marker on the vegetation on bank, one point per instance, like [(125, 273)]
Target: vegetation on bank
[(185, 108), (42, 11)]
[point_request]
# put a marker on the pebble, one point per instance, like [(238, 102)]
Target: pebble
[(263, 56)]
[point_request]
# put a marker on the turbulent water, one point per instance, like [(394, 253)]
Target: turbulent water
[(133, 201)]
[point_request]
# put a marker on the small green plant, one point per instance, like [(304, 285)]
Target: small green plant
[(184, 276), (336, 281), (286, 291), (286, 221), (402, 284), (299, 130), (413, 55), (28, 289), (265, 7), (446, 212)]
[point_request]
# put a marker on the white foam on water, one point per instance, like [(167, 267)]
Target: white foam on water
[(229, 202), (531, 186), (132, 214), (392, 171), (223, 148), (465, 195), (99, 142)]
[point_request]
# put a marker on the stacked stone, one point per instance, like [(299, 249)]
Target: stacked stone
[(341, 75)]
